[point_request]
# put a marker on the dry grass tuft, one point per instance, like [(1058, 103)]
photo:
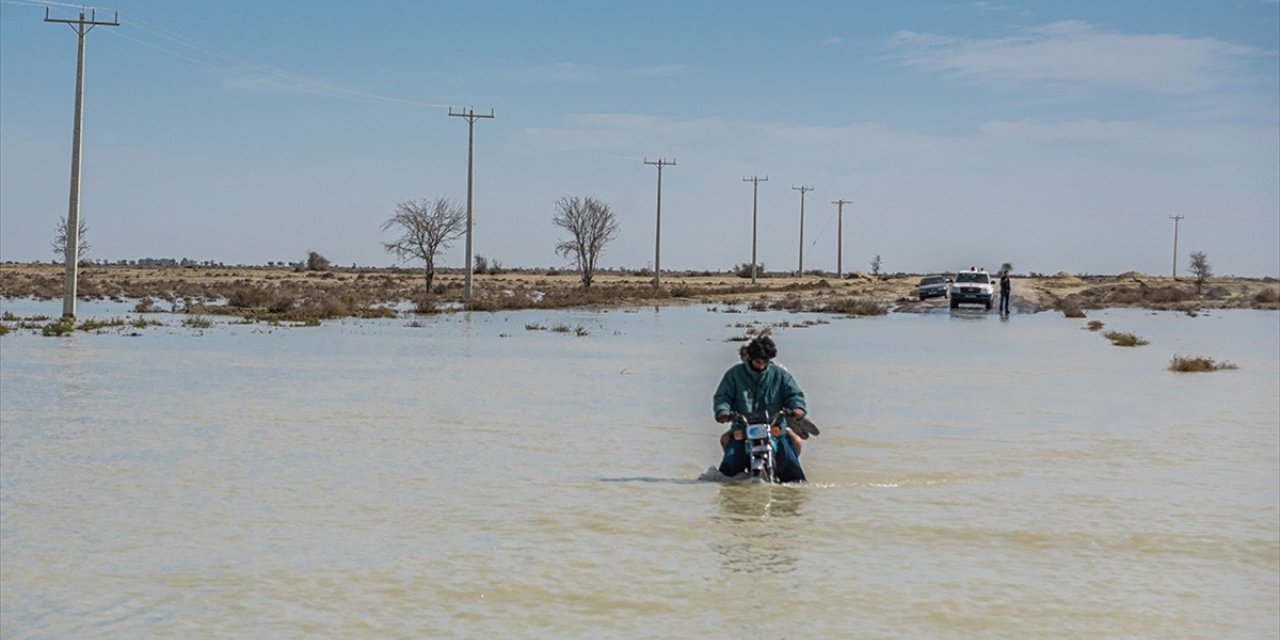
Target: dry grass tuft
[(1124, 339), (1186, 364)]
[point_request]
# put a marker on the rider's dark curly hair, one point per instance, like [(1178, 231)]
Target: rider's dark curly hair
[(762, 348)]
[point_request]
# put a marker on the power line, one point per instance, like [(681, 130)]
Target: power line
[(1176, 220), (263, 74), (755, 201), (657, 242), (840, 237), (82, 27), (802, 189), (471, 116)]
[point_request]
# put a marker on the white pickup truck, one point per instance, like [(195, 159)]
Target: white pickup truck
[(972, 286)]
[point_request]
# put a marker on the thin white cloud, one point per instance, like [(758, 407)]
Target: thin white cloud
[(1078, 53), (579, 73), (623, 133)]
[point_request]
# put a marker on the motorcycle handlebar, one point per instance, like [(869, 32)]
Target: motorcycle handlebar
[(736, 417)]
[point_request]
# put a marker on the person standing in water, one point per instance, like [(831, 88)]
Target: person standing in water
[(1005, 288)]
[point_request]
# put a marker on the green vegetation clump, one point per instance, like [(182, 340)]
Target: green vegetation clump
[(1095, 325), (744, 270), (59, 327), (1124, 339)]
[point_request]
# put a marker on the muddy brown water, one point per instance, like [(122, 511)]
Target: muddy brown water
[(465, 476)]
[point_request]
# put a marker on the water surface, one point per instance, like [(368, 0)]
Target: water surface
[(466, 476)]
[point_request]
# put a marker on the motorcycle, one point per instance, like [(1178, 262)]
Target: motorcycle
[(758, 434)]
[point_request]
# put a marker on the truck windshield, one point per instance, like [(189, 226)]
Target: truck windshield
[(970, 276)]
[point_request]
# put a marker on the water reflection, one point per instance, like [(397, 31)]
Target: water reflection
[(758, 520), (969, 313)]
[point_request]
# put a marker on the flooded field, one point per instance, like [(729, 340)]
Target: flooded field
[(534, 474)]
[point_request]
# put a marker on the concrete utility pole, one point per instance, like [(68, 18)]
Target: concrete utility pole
[(471, 116), (657, 242), (840, 237), (755, 200), (801, 189), (82, 28), (1175, 220)]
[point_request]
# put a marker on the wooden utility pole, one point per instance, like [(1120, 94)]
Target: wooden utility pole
[(755, 200), (840, 237), (471, 116), (1175, 220), (801, 189), (657, 242), (82, 27)]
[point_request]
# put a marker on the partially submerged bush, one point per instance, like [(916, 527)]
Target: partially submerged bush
[(1095, 325), (1124, 339), (1185, 364), (197, 322), (853, 307), (60, 327)]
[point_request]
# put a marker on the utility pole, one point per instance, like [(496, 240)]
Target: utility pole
[(755, 200), (657, 242), (82, 28), (840, 237), (471, 116), (1175, 220), (801, 189)]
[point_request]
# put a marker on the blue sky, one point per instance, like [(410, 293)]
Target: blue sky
[(1058, 136)]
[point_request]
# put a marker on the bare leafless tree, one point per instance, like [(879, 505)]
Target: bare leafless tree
[(59, 243), (428, 228), (592, 224), (1200, 267)]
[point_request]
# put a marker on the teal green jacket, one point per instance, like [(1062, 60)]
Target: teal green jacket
[(743, 390)]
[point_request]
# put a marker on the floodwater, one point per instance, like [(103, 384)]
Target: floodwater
[(467, 476)]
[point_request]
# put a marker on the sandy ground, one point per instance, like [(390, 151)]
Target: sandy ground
[(388, 286)]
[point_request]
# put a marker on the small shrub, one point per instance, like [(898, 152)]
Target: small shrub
[(94, 324), (853, 307), (59, 327), (534, 327), (1124, 339), (561, 328), (197, 322), (1095, 325), (580, 331), (4, 330), (1183, 364)]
